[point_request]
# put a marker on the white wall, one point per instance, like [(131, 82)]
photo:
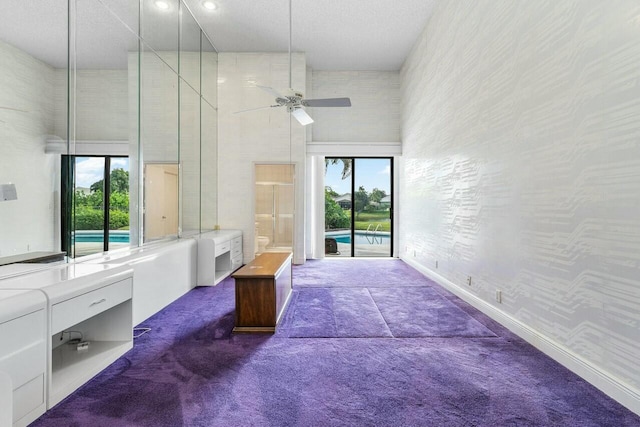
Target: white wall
[(101, 109), (374, 115), (28, 223), (521, 168), (256, 136)]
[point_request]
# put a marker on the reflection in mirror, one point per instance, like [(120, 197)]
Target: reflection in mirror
[(158, 122), (104, 82), (209, 136), (189, 123), (128, 98), (159, 96), (160, 28), (33, 85), (190, 159), (161, 193)]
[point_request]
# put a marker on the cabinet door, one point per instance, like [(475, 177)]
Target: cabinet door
[(23, 358)]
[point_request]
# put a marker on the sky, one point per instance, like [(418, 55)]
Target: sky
[(91, 169), (370, 173)]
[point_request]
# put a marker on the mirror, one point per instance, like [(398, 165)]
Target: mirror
[(103, 87), (189, 123), (209, 136), (33, 110), (76, 125)]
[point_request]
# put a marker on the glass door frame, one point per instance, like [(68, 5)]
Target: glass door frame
[(353, 195)]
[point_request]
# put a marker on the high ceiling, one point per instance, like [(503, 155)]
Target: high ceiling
[(334, 34)]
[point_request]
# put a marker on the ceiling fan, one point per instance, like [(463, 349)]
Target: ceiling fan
[(294, 101)]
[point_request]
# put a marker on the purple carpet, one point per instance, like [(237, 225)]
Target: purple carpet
[(190, 371), (376, 313)]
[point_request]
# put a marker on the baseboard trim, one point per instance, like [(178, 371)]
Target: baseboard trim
[(618, 390)]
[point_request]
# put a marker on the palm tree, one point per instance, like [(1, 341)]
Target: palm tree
[(346, 165)]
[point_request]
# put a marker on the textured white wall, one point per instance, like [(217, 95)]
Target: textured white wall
[(374, 114), (256, 136), (29, 223), (521, 166)]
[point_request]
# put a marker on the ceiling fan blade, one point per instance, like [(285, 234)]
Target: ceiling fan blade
[(327, 102), (255, 109), (270, 90), (302, 117)]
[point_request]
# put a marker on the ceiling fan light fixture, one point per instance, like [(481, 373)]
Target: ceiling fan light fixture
[(301, 116)]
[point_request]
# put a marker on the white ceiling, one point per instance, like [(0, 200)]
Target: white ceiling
[(334, 34)]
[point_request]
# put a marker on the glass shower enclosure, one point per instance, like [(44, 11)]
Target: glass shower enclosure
[(274, 203)]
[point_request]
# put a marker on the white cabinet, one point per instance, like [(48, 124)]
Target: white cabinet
[(101, 318), (23, 353), (89, 302), (236, 253), (219, 255)]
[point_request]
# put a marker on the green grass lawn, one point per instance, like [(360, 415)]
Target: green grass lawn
[(363, 219), (363, 225)]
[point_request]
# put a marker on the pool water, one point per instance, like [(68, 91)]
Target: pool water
[(98, 236), (362, 238)]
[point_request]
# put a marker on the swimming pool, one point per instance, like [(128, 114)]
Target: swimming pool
[(362, 238), (96, 236)]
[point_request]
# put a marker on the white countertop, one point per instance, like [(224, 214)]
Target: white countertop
[(219, 236), (67, 280), (15, 303)]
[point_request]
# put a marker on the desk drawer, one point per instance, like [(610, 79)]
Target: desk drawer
[(236, 252), (222, 248), (82, 307), (236, 243), (236, 262)]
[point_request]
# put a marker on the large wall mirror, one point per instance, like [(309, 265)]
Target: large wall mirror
[(107, 124)]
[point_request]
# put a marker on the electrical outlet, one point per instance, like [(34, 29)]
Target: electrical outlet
[(469, 280), (499, 296), (414, 253), (436, 263)]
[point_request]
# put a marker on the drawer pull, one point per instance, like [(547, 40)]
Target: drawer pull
[(98, 302)]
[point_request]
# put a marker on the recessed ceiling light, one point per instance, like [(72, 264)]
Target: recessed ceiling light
[(161, 4), (209, 5)]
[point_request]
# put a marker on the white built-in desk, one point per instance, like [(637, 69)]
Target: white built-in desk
[(93, 301), (219, 255)]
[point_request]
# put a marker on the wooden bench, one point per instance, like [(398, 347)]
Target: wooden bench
[(263, 289)]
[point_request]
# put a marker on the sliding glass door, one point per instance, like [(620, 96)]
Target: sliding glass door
[(97, 190), (358, 206)]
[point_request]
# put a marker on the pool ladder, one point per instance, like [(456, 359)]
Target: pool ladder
[(374, 237)]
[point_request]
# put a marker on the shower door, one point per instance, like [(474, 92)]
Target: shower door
[(274, 203)]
